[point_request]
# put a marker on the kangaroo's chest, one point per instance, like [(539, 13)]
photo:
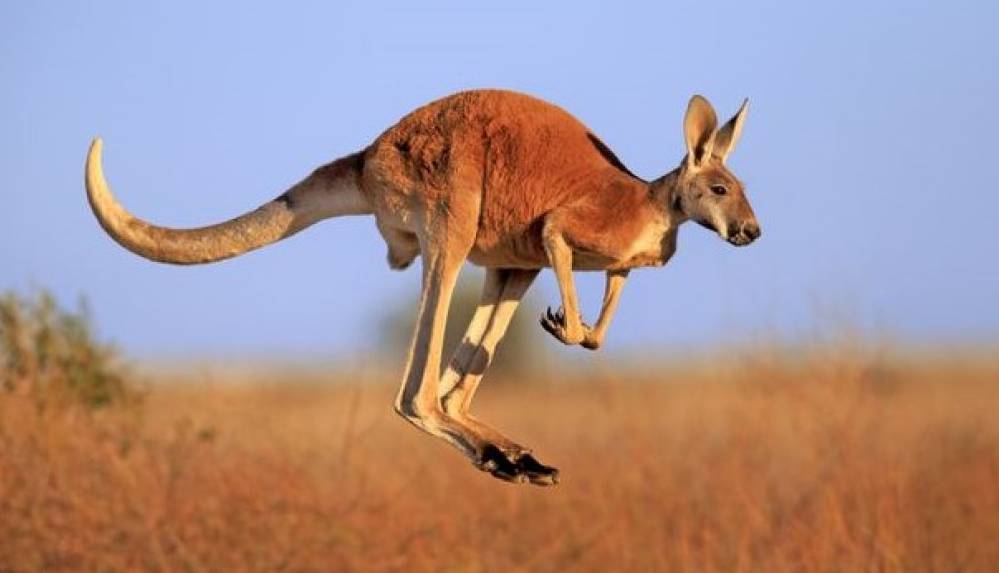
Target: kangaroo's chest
[(653, 247)]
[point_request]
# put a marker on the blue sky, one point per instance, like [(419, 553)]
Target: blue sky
[(868, 155)]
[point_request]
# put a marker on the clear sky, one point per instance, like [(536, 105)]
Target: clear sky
[(868, 154)]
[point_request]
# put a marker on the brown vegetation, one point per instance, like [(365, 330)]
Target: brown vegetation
[(819, 460), (760, 465)]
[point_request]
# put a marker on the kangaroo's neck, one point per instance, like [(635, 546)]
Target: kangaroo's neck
[(665, 194)]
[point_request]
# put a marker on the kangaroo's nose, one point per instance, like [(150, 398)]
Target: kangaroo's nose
[(752, 230)]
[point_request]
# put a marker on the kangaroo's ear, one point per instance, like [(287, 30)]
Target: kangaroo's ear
[(699, 130), (728, 135)]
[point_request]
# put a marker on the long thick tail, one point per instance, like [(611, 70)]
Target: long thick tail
[(331, 190)]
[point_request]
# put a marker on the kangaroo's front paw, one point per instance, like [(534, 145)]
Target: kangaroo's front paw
[(591, 341), (556, 325)]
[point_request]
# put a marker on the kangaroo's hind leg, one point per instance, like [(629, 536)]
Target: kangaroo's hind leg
[(418, 400), (501, 294)]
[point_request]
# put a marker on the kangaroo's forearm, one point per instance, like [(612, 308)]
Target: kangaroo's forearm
[(612, 295), (570, 330)]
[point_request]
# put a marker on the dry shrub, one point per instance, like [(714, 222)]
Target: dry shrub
[(52, 354), (817, 460)]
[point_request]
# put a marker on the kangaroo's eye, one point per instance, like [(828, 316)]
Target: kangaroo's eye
[(719, 189)]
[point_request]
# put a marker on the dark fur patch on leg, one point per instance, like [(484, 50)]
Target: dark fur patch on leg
[(286, 199)]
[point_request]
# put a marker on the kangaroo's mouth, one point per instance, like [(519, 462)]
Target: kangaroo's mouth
[(744, 236), (748, 232), (739, 239), (727, 236)]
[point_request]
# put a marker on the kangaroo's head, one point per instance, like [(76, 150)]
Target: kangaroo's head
[(704, 189)]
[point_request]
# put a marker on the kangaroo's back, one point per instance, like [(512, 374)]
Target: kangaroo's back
[(504, 157)]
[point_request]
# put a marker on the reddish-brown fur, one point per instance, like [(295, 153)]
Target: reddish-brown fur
[(504, 160), (508, 182)]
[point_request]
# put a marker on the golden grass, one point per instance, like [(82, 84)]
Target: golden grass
[(821, 461)]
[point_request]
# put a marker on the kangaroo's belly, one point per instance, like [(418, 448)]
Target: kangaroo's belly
[(514, 251), (514, 259), (526, 251)]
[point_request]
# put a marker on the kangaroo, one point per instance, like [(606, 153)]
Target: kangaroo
[(503, 180)]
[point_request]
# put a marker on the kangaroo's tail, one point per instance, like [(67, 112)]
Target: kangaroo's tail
[(331, 190)]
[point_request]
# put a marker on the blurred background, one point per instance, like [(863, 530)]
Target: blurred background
[(866, 155), (824, 400)]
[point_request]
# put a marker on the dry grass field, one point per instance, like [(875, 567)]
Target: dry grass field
[(822, 459)]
